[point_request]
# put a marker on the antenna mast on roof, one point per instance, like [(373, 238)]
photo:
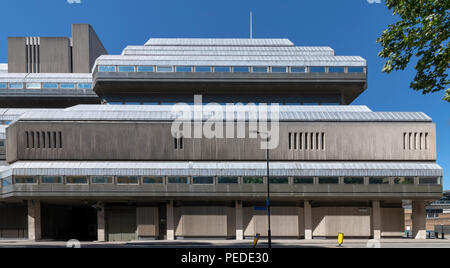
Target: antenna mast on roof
[(251, 24)]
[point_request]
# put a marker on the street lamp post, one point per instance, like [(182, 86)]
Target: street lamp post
[(269, 231)]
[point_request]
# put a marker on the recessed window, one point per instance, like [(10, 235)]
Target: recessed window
[(356, 69), (203, 180), (33, 85), (50, 85), (16, 85), (6, 182), (429, 180), (3, 85), (260, 69), (353, 180), (202, 69), (51, 180), (336, 69), (379, 180), (106, 69), (228, 180), (152, 180), (126, 69), (67, 86), (145, 69), (403, 180), (222, 69), (128, 180), (298, 70), (316, 69), (253, 180), (84, 86), (101, 180), (329, 180), (164, 69), (177, 180), (183, 69), (76, 180), (302, 180), (279, 69), (279, 180), (24, 180), (241, 69), (2, 144)]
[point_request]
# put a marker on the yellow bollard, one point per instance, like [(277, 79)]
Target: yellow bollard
[(340, 239), (255, 241)]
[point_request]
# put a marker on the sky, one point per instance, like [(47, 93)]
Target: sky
[(350, 27)]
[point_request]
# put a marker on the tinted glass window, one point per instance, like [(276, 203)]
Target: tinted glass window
[(102, 180), (153, 180), (128, 69), (336, 70), (202, 69), (33, 85), (299, 180), (241, 69), (67, 86), (355, 69), (24, 180), (2, 85), (128, 180), (316, 69), (260, 69), (178, 180), (106, 68), (253, 180), (378, 180), (202, 180), (279, 69), (183, 69), (145, 69), (298, 69), (329, 180), (279, 180), (50, 85), (429, 180), (164, 69), (85, 86), (51, 180), (16, 85), (353, 180), (76, 180), (222, 69), (228, 180)]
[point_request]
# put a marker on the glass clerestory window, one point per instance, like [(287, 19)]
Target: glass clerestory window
[(279, 69), (16, 85), (145, 69), (222, 69), (379, 180), (316, 69), (50, 86), (128, 180), (106, 68), (253, 180), (183, 69), (67, 86), (329, 180), (202, 69), (203, 180), (241, 69), (24, 180), (152, 180), (279, 180), (178, 180), (353, 180), (298, 69), (3, 85), (260, 69), (356, 69), (228, 180), (101, 180), (51, 180), (303, 180), (76, 180), (126, 69), (84, 86), (33, 85), (336, 70)]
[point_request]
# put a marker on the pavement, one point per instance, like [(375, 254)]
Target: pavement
[(232, 244)]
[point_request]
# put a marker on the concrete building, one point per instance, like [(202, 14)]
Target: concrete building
[(116, 172)]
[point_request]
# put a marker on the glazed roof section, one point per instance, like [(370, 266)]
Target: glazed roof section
[(228, 52), (165, 113)]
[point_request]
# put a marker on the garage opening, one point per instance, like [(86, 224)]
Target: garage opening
[(65, 222)]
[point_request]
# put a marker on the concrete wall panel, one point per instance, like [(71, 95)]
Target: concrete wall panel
[(351, 221)]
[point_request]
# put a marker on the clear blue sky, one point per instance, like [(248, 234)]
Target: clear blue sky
[(350, 27)]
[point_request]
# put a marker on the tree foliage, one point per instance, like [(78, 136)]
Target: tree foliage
[(422, 32)]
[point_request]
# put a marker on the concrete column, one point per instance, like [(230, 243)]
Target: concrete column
[(34, 220), (376, 220), (418, 220), (170, 222), (239, 221), (101, 226), (308, 220)]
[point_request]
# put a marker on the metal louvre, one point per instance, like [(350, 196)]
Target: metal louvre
[(66, 168), (217, 42)]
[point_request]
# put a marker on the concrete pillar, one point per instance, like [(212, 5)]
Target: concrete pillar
[(34, 220), (239, 221), (101, 226), (376, 220), (418, 220), (170, 222), (308, 220)]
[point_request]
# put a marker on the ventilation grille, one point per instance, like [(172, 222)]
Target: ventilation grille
[(415, 141), (307, 141), (43, 139)]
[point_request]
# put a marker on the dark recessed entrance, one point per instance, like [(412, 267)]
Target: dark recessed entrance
[(65, 222)]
